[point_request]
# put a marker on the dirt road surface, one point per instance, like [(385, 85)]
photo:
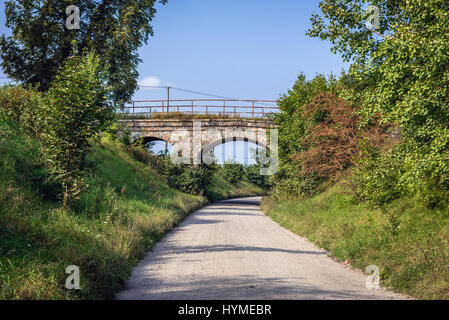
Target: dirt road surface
[(231, 250)]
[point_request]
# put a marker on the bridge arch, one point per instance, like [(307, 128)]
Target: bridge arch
[(209, 146), (149, 139), (161, 145)]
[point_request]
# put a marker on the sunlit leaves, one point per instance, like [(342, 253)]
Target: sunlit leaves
[(407, 67), (75, 110)]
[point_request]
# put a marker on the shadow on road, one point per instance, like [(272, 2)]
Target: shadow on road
[(224, 248), (233, 288)]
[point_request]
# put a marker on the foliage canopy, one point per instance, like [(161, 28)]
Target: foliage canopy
[(40, 41), (403, 66)]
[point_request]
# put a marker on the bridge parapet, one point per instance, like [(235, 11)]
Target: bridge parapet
[(223, 107)]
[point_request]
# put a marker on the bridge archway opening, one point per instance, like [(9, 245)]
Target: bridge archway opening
[(158, 146), (236, 149)]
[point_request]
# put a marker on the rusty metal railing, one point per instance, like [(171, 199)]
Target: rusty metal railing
[(228, 108)]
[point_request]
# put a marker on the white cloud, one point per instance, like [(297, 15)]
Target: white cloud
[(151, 82)]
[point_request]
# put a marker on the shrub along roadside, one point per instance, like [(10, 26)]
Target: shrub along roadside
[(400, 79), (75, 110), (22, 106), (234, 172), (63, 119), (126, 211), (186, 178), (410, 244), (213, 181), (220, 189)]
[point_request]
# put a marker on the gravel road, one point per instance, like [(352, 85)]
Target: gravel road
[(231, 250)]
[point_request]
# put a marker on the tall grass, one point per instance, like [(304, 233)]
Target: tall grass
[(220, 189), (409, 242), (128, 208)]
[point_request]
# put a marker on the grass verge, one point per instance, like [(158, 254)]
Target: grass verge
[(220, 189), (409, 242), (127, 209)]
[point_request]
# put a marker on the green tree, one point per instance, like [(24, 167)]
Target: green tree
[(404, 64), (291, 104), (75, 111), (293, 124), (40, 41), (233, 172)]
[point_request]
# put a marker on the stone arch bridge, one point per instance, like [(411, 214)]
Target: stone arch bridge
[(192, 136), (195, 138)]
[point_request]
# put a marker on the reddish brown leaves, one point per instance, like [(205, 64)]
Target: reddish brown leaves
[(332, 141)]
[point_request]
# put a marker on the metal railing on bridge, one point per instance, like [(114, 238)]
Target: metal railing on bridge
[(217, 107)]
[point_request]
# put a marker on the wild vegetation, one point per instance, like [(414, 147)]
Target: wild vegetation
[(125, 211), (400, 77), (364, 157), (126, 198), (411, 250), (319, 136)]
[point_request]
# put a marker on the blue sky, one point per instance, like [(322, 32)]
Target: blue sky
[(245, 49), (235, 48)]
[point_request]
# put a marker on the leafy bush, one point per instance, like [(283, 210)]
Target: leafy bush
[(332, 137), (22, 105), (289, 184), (186, 178), (252, 173), (291, 123), (125, 137), (21, 160), (112, 131), (192, 180), (75, 110), (233, 172), (376, 176)]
